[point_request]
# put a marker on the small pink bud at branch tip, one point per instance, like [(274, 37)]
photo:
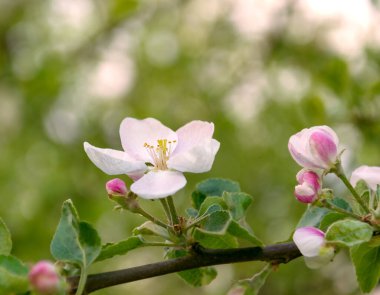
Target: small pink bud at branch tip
[(44, 278), (116, 187), (309, 186)]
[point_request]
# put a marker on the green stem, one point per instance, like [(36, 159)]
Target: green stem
[(151, 218), (342, 211), (161, 244), (196, 221), (173, 211), (166, 209), (82, 281), (340, 173)]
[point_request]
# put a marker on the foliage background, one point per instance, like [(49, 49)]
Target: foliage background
[(71, 70)]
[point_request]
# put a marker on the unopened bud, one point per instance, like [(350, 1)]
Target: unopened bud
[(44, 278), (116, 187), (309, 186)]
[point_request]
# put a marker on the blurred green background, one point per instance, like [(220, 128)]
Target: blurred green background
[(71, 70)]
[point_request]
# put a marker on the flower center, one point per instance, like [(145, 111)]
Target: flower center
[(160, 153)]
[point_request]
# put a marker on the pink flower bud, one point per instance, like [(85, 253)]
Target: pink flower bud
[(309, 186), (314, 148), (44, 278), (312, 245), (116, 187), (371, 175)]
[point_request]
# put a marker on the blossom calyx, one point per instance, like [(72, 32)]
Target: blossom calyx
[(44, 278), (315, 147), (309, 186)]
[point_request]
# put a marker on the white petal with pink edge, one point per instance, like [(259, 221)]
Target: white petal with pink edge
[(113, 162), (371, 175), (192, 134), (136, 133), (158, 184), (309, 240), (197, 159)]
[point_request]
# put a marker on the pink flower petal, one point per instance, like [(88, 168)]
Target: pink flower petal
[(323, 147), (113, 162), (191, 134), (158, 184), (197, 159), (298, 148), (135, 133), (371, 175), (309, 240)]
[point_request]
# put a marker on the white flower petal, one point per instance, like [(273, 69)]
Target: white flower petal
[(197, 159), (191, 134), (371, 175), (113, 162), (135, 133), (158, 184), (309, 240)]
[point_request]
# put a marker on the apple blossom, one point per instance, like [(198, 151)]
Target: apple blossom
[(312, 245), (116, 187), (315, 147), (309, 186), (370, 174), (155, 157), (44, 278)]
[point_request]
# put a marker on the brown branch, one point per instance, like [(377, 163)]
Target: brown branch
[(199, 257)]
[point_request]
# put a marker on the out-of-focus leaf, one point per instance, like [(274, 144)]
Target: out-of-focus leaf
[(349, 232), (150, 228), (5, 239), (13, 276), (366, 260), (195, 277), (110, 250), (253, 285)]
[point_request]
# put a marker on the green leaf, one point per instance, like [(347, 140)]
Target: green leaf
[(195, 277), (330, 218), (208, 205), (253, 285), (5, 239), (191, 212), (214, 240), (349, 232), (151, 229), (343, 204), (240, 232), (110, 250), (13, 276), (366, 260), (361, 187), (213, 187), (217, 222), (237, 203), (312, 216), (75, 241)]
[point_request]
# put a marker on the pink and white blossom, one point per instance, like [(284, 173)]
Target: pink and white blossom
[(155, 157), (44, 278), (315, 147), (370, 174), (312, 245), (309, 186), (116, 187)]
